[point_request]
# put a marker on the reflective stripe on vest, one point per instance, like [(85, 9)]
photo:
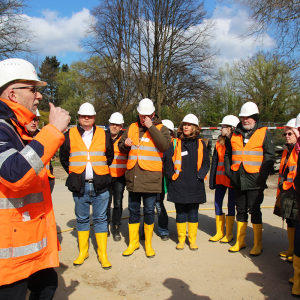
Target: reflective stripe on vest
[(80, 155), (8, 203), (33, 159), (23, 250), (143, 151), (177, 158), (221, 178), (118, 166), (250, 155)]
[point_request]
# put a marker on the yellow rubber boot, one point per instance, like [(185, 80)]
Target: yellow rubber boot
[(229, 227), (148, 229), (290, 258), (240, 237), (83, 243), (291, 280), (256, 250), (181, 230), (133, 239), (101, 239), (192, 230), (220, 225), (296, 284), (290, 250)]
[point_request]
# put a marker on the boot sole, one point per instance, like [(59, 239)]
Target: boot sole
[(236, 251), (131, 253), (150, 256), (106, 268), (214, 241)]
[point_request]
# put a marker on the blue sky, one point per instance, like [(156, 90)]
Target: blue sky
[(60, 25)]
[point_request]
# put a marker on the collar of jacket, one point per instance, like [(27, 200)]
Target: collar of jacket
[(81, 130), (19, 117)]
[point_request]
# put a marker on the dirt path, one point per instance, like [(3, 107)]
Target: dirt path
[(209, 273)]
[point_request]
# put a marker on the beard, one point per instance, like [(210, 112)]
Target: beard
[(248, 126)]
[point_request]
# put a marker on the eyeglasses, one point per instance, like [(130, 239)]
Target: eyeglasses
[(224, 127), (34, 87), (35, 120), (288, 133)]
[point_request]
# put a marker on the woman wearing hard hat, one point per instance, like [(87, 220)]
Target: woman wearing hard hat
[(286, 206), (187, 167), (219, 181)]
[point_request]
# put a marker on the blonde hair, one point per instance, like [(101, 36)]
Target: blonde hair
[(195, 132)]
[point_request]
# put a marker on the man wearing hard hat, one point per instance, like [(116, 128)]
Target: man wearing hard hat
[(86, 155), (33, 130), (144, 141), (117, 171), (249, 159), (28, 245)]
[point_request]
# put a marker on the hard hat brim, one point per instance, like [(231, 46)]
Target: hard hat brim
[(144, 113)]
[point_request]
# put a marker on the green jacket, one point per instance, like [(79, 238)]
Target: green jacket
[(243, 180)]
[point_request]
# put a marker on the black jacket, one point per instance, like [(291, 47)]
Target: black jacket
[(247, 181), (189, 186), (75, 182)]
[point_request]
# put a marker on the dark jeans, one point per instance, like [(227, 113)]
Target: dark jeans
[(219, 197), (162, 215), (134, 207), (249, 202), (187, 212), (116, 192), (42, 285)]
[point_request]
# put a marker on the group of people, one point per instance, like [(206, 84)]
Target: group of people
[(146, 158)]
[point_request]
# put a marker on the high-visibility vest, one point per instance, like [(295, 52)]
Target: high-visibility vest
[(80, 155), (48, 170), (252, 155), (118, 166), (177, 160), (143, 151), (291, 164), (28, 240), (221, 178)]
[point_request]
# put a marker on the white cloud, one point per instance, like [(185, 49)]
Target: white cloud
[(57, 35), (230, 23)]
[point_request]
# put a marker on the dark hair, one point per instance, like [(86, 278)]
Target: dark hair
[(195, 132)]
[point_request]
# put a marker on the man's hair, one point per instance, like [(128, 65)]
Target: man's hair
[(195, 132), (4, 87)]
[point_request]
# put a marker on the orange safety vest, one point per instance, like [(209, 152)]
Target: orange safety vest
[(221, 178), (252, 155), (80, 155), (177, 161), (28, 240), (118, 166), (143, 151), (291, 164)]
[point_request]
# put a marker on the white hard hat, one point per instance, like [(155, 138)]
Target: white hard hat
[(86, 109), (190, 118), (248, 109), (37, 113), (18, 69), (116, 118), (291, 123), (230, 120), (169, 124), (298, 121), (146, 107)]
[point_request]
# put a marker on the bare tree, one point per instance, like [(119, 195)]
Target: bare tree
[(152, 48), (14, 33)]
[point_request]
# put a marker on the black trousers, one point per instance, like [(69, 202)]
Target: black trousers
[(249, 202), (42, 285)]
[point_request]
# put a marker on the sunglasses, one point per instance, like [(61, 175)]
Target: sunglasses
[(34, 88), (288, 133)]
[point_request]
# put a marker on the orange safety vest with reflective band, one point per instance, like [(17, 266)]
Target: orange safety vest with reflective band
[(48, 170), (221, 178), (143, 151), (291, 164), (80, 155), (177, 161), (252, 155), (118, 166)]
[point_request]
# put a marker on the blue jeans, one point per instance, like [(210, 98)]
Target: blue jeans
[(116, 192), (219, 197), (187, 212), (162, 215), (82, 208), (134, 207)]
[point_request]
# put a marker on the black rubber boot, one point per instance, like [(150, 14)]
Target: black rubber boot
[(116, 234)]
